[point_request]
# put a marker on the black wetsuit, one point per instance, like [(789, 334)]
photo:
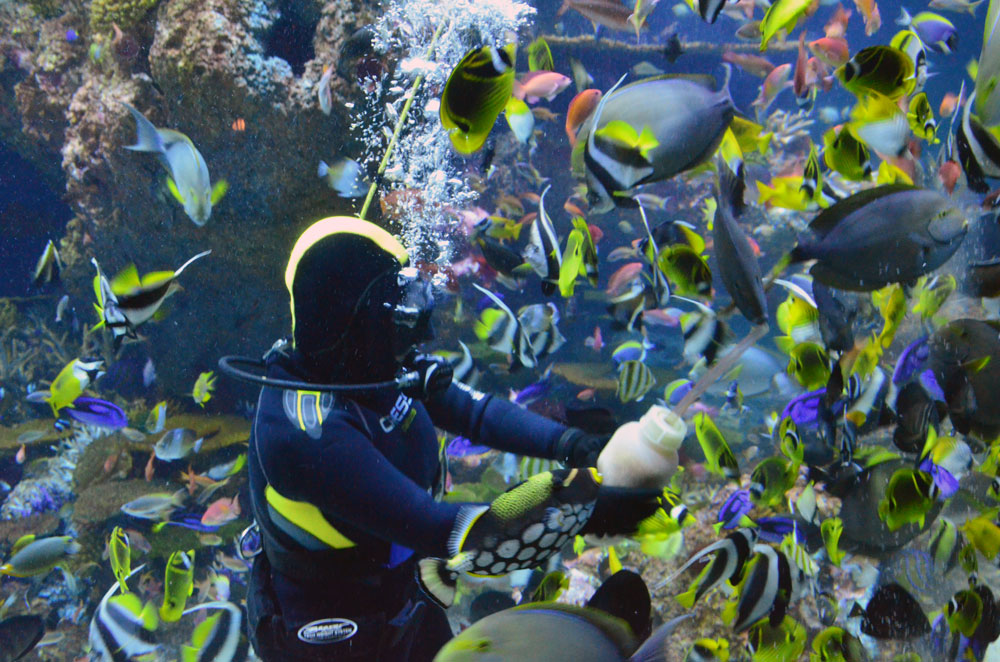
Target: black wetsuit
[(374, 471)]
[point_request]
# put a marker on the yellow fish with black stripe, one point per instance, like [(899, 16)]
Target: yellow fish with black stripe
[(634, 380), (476, 92)]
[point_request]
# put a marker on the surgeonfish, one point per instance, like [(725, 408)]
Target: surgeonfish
[(474, 95), (32, 556), (648, 131), (157, 506), (177, 444), (735, 261), (178, 584), (188, 178), (889, 234), (934, 30), (892, 613), (608, 629)]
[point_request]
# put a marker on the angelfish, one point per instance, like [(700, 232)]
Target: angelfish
[(188, 178)]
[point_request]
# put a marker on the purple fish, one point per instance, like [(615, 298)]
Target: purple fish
[(911, 361), (930, 384), (461, 447), (71, 35), (679, 392), (774, 529), (734, 509), (94, 411), (945, 482), (804, 409), (531, 392)]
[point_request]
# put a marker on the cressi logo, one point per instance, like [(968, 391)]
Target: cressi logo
[(328, 631)]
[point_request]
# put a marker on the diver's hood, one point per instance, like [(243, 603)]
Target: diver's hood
[(342, 283)]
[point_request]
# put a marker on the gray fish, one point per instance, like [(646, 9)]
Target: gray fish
[(890, 234), (177, 444), (686, 119), (189, 181), (965, 358), (156, 506), (736, 263)]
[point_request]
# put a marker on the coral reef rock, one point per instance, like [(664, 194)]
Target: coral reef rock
[(195, 66)]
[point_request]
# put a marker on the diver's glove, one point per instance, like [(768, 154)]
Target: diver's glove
[(577, 448), (628, 511), (425, 376), (521, 528)]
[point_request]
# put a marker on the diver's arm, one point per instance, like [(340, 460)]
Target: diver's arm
[(350, 478), (494, 422)]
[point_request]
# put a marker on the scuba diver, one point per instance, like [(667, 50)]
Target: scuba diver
[(346, 469)]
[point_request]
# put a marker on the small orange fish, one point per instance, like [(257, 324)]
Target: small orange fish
[(948, 104), (595, 342), (221, 511), (239, 124), (869, 11), (836, 27), (21, 454), (531, 197), (581, 107), (625, 274), (573, 209), (831, 50), (150, 469), (543, 114), (109, 464), (596, 233), (755, 65), (949, 173), (586, 395)]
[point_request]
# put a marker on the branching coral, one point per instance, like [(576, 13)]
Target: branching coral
[(123, 13)]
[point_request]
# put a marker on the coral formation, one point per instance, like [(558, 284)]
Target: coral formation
[(123, 13)]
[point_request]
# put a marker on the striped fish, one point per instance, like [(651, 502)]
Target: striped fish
[(217, 638), (507, 336), (634, 381), (770, 583), (531, 466), (122, 628)]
